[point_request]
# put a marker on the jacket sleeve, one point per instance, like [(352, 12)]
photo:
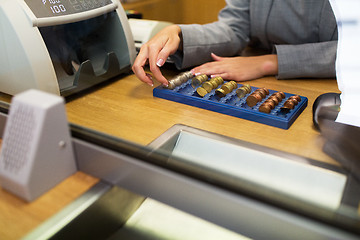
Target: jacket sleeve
[(226, 37), (315, 60)]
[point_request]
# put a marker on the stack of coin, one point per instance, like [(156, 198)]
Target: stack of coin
[(198, 80), (208, 86), (243, 90), (257, 96), (226, 88), (291, 102), (271, 102), (179, 79), (279, 95)]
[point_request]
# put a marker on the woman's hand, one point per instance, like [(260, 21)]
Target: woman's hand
[(239, 68), (155, 52)]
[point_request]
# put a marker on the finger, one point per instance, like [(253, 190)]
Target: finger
[(224, 76), (170, 47), (158, 75), (154, 64), (138, 68), (202, 69), (215, 57), (162, 56), (142, 75), (208, 68)]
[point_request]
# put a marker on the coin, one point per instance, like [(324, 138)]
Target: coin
[(234, 84), (278, 95), (285, 109), (293, 100), (215, 83), (247, 87), (271, 103), (201, 91), (177, 81), (253, 99), (265, 108), (218, 80), (171, 85), (289, 104), (282, 95), (220, 92), (189, 74), (261, 92), (297, 97), (275, 99), (266, 91), (198, 80), (195, 82), (208, 86), (227, 88), (241, 92)]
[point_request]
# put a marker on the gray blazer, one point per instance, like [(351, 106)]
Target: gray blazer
[(303, 34)]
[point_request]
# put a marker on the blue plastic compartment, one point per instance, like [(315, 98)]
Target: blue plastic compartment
[(232, 105)]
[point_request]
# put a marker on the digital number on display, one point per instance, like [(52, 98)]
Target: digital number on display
[(55, 6), (50, 8)]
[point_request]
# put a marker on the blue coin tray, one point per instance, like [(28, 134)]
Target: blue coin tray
[(232, 105)]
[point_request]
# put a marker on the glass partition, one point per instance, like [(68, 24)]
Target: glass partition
[(317, 190)]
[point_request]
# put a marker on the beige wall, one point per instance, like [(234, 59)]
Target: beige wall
[(178, 11), (201, 11)]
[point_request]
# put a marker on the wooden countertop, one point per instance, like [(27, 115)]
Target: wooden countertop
[(19, 217), (127, 109)]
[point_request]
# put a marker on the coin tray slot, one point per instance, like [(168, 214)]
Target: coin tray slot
[(234, 106)]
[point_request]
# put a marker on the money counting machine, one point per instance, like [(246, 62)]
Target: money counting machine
[(62, 46)]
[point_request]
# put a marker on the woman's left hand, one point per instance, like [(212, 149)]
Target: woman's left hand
[(239, 68)]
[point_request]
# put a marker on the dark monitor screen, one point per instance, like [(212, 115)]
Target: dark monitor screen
[(52, 8)]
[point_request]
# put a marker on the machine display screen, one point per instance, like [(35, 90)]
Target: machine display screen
[(52, 8)]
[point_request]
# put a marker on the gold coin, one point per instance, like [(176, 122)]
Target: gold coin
[(220, 92), (226, 88), (219, 80), (247, 87), (241, 92), (198, 80), (208, 86), (203, 77), (214, 82), (201, 91), (234, 84), (195, 82)]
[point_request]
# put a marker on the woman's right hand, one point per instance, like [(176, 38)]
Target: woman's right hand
[(155, 52)]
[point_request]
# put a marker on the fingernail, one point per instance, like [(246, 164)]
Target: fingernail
[(151, 78), (197, 74), (160, 62), (166, 84)]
